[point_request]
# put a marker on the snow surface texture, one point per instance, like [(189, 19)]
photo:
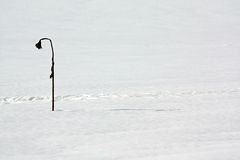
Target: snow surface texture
[(135, 80)]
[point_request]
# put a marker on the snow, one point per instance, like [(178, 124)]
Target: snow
[(135, 80)]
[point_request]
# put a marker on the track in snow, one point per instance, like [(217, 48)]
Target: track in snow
[(156, 95)]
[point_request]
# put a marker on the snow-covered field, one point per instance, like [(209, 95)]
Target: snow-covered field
[(135, 80)]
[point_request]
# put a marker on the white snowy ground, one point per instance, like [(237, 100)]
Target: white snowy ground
[(135, 80)]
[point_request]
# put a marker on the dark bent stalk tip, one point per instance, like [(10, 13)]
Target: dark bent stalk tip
[(39, 45)]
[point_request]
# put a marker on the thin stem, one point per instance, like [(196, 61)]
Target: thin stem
[(52, 70)]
